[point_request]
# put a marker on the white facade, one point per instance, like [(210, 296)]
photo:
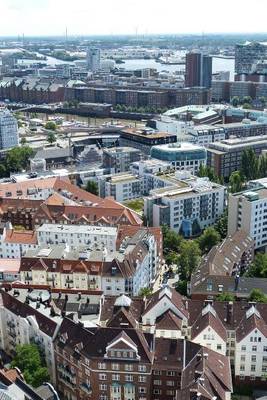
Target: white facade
[(188, 208), (203, 135), (19, 330), (8, 130), (12, 249), (172, 126), (251, 352), (121, 187), (78, 235), (248, 211)]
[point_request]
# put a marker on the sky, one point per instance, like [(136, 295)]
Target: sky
[(97, 17)]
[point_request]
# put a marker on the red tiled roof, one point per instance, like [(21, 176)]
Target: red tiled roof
[(23, 237)]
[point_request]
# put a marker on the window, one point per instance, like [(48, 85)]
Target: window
[(170, 383), (264, 359), (157, 372), (115, 367), (243, 348), (142, 368), (253, 367), (264, 348), (103, 386), (170, 373), (128, 367), (128, 378), (142, 378), (242, 367), (157, 391), (219, 346), (157, 382), (142, 390), (254, 348), (243, 358), (115, 377), (101, 365), (102, 377)]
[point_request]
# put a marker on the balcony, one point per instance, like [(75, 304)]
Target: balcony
[(65, 370), (86, 388), (64, 379)]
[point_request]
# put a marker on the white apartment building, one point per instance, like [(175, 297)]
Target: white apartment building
[(14, 244), (186, 206), (102, 237), (251, 347), (8, 129), (21, 324), (147, 170), (173, 126), (121, 187), (205, 134), (248, 211)]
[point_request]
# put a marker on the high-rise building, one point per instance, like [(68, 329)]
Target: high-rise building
[(93, 59), (247, 55), (198, 70), (8, 129)]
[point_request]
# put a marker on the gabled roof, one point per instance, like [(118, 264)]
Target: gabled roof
[(169, 293), (208, 320), (168, 321), (122, 318), (251, 321)]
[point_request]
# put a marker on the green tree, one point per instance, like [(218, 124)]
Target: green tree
[(51, 138), (262, 170), (92, 187), (171, 240), (247, 99), (189, 258), (258, 296), (263, 101), (145, 292), (235, 101), (23, 141), (249, 164), (258, 268), (206, 171), (51, 125), (236, 182), (17, 158), (221, 225), (29, 360), (171, 258), (225, 297), (247, 106), (209, 238), (181, 287)]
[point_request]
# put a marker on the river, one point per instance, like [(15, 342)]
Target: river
[(218, 64)]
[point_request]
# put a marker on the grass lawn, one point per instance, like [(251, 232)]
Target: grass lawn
[(136, 205)]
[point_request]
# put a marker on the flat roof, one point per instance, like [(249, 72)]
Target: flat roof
[(89, 229)]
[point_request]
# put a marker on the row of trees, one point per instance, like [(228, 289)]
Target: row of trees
[(246, 101), (186, 254), (256, 295), (206, 171)]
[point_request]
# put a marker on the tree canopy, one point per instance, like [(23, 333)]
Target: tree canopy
[(51, 138), (225, 297), (189, 258), (249, 164), (29, 360), (258, 268), (258, 296), (209, 238), (92, 187), (236, 181), (17, 158), (171, 240), (51, 125)]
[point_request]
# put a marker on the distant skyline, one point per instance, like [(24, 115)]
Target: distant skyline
[(117, 17)]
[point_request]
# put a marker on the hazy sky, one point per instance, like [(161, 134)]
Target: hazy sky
[(88, 17)]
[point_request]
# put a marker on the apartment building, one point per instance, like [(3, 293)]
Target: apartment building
[(14, 244), (122, 186), (119, 159), (182, 156), (225, 156), (102, 237), (186, 206), (220, 270), (135, 264), (205, 134), (144, 139), (8, 129), (147, 170), (248, 211), (132, 364), (33, 202)]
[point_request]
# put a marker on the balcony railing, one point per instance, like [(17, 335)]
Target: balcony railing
[(86, 388)]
